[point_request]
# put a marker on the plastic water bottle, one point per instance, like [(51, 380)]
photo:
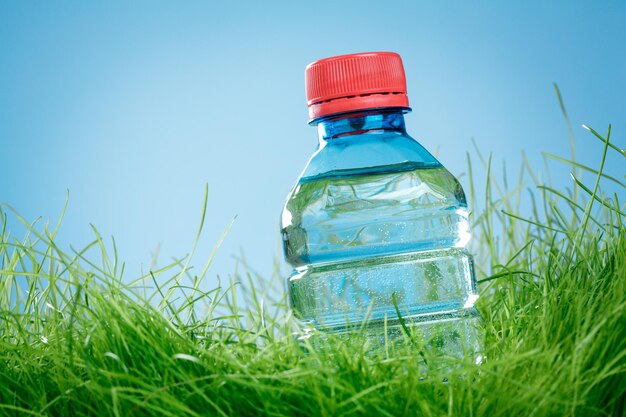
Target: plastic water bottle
[(376, 227)]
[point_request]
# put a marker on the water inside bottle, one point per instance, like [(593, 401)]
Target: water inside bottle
[(370, 243)]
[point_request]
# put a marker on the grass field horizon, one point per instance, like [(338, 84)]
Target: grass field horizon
[(79, 338)]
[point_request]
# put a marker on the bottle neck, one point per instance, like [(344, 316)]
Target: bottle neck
[(358, 123)]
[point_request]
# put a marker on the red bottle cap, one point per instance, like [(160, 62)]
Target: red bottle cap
[(351, 82)]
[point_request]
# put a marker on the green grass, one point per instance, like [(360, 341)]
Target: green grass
[(80, 340)]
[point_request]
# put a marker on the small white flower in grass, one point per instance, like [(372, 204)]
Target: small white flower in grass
[(186, 357), (44, 340)]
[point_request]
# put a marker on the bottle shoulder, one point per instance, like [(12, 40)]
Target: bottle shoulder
[(365, 153)]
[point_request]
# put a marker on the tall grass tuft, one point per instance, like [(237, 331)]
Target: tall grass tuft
[(77, 337)]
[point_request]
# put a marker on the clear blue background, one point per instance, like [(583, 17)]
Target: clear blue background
[(134, 106)]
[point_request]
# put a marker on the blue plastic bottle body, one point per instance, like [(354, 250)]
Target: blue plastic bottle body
[(376, 225)]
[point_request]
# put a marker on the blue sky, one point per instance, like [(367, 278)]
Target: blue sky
[(134, 106)]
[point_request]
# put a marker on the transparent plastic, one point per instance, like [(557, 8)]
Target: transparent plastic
[(375, 226)]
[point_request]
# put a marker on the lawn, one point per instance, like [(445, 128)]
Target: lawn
[(79, 337)]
